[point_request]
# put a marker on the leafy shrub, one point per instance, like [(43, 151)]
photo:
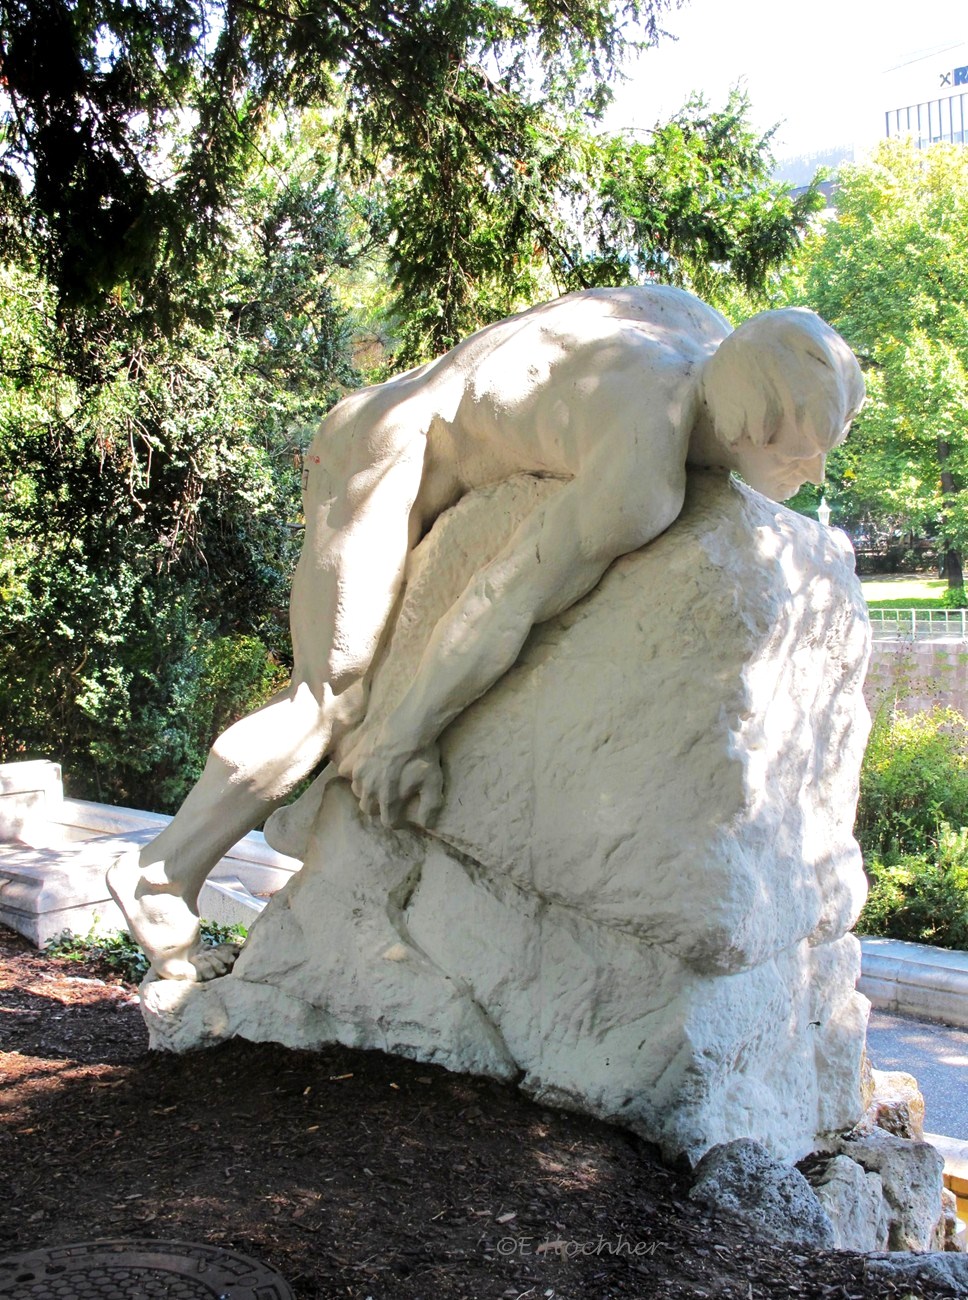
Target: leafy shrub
[(921, 897), (119, 954), (911, 824), (955, 598), (914, 778)]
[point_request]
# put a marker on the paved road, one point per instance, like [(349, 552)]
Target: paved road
[(936, 1055)]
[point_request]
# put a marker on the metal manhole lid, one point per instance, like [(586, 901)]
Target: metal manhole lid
[(138, 1270)]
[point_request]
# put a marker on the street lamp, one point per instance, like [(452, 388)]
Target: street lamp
[(823, 512)]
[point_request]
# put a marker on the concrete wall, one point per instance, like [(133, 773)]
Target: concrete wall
[(918, 674)]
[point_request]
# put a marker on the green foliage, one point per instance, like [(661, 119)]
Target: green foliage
[(911, 824), (914, 602), (914, 777), (951, 598), (119, 954), (530, 202), (922, 898), (891, 273), (694, 205), (150, 521), (132, 127), (133, 131)]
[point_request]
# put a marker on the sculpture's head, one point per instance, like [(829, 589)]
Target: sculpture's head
[(781, 391)]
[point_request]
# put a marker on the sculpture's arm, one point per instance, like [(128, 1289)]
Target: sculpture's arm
[(555, 557)]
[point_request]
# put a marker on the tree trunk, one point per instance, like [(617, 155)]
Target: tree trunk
[(951, 566), (952, 570)]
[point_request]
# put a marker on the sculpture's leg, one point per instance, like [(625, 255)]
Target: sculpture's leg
[(358, 531), (249, 771)]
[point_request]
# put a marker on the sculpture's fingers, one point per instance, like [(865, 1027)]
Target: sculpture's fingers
[(390, 800), (391, 809), (210, 963), (368, 798), (431, 795)]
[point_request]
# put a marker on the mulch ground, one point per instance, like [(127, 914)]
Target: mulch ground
[(353, 1174)]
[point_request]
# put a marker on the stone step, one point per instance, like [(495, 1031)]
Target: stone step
[(915, 979)]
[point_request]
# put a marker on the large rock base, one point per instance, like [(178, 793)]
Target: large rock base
[(637, 896)]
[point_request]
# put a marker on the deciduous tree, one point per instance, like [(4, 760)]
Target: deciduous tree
[(890, 271)]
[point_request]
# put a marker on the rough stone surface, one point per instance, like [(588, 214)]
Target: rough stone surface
[(637, 894), (949, 1211), (897, 1105), (743, 1179), (854, 1202), (911, 1174), (949, 1271)]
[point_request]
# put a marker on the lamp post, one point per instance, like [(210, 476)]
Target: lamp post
[(823, 511)]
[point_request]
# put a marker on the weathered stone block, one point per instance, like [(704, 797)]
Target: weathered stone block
[(742, 1179), (853, 1200)]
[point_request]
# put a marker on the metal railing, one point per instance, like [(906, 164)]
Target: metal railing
[(918, 624)]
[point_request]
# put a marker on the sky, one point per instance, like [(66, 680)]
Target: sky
[(819, 69)]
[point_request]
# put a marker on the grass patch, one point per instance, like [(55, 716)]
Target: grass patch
[(914, 602), (904, 590)]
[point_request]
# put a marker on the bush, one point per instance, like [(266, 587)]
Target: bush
[(922, 898), (913, 779), (911, 820)]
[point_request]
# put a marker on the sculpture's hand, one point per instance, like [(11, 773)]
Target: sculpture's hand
[(385, 776)]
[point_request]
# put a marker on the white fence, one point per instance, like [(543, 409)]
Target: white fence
[(918, 624)]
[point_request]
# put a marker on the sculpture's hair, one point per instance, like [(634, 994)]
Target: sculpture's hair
[(780, 366)]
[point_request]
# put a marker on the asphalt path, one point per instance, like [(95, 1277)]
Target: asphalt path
[(936, 1055)]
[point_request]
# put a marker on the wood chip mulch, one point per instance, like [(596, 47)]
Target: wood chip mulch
[(355, 1175)]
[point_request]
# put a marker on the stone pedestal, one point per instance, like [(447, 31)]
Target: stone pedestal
[(31, 793), (637, 897)]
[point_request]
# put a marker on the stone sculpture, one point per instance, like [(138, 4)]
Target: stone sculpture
[(602, 399), (636, 895)]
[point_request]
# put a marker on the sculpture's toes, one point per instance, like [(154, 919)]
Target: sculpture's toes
[(210, 963)]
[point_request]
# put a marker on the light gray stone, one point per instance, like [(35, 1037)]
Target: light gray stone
[(637, 893), (854, 1202), (953, 1226), (897, 1105), (743, 1179), (936, 1269), (44, 892), (911, 1173), (31, 792)]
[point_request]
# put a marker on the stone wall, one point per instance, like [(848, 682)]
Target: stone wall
[(917, 675)]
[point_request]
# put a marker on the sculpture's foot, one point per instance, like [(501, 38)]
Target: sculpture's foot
[(164, 925), (211, 961)]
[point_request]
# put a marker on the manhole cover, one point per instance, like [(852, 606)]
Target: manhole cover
[(138, 1270)]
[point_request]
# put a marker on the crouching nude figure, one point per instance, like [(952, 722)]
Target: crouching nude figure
[(612, 392)]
